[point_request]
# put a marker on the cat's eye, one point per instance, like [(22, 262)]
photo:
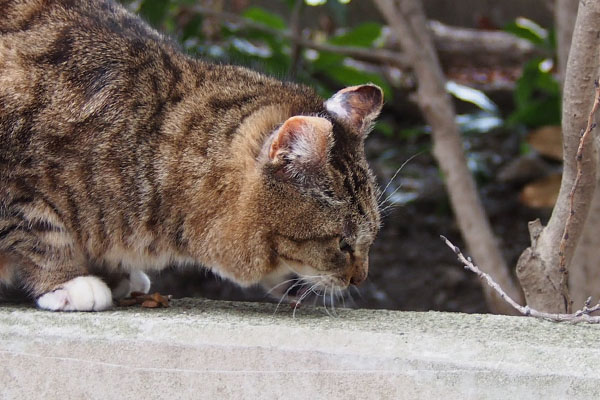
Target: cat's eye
[(344, 246)]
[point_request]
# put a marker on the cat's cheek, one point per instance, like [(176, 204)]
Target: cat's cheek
[(84, 293)]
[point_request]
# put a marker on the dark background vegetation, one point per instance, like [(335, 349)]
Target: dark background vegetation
[(498, 106)]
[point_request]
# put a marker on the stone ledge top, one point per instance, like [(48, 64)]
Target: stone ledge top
[(203, 336)]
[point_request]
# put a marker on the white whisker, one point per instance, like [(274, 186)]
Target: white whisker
[(332, 301), (350, 298), (388, 198), (358, 292), (285, 295), (395, 174), (299, 301), (282, 283), (324, 303), (341, 294)]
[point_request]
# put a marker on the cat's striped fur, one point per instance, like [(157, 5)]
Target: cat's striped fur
[(120, 153)]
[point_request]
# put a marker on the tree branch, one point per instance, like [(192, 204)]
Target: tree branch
[(582, 315)]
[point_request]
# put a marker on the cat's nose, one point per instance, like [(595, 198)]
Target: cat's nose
[(359, 274), (357, 279)]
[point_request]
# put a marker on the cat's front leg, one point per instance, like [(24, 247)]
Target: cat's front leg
[(60, 283), (47, 260)]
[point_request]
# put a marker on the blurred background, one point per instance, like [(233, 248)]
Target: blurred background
[(499, 59)]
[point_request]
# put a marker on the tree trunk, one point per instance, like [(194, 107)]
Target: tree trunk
[(538, 266), (407, 20), (584, 278), (565, 13)]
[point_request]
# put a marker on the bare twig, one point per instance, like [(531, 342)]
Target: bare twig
[(562, 262), (378, 56), (583, 315)]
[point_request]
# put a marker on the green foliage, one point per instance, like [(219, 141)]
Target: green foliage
[(537, 97), (265, 17), (364, 35), (154, 10), (269, 52), (532, 32), (537, 94), (333, 66), (385, 128)]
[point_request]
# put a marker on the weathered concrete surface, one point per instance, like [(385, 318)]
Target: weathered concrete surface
[(212, 350)]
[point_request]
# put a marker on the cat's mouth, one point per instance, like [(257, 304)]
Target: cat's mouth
[(293, 288), (295, 282), (296, 289)]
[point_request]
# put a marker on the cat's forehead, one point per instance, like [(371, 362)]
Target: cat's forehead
[(356, 182)]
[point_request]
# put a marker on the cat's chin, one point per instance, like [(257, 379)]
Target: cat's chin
[(294, 283)]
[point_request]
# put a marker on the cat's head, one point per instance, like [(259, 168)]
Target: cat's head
[(321, 198)]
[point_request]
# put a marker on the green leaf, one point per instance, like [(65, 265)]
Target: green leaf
[(533, 80), (192, 29), (537, 97), (538, 112), (265, 17), (362, 36), (471, 95), (385, 128), (414, 132), (326, 60), (154, 11), (523, 33), (527, 29), (315, 3)]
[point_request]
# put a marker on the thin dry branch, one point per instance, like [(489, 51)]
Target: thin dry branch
[(583, 315), (562, 263), (377, 56)]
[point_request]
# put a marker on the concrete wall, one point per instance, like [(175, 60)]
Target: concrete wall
[(204, 349)]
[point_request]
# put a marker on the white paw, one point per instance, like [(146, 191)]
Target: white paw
[(84, 293), (137, 282)]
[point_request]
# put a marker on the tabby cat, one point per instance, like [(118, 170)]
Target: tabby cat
[(119, 154)]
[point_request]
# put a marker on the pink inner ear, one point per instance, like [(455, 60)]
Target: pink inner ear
[(285, 136), (365, 100), (356, 104), (307, 138)]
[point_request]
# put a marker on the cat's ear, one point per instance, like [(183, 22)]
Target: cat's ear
[(302, 140), (356, 106)]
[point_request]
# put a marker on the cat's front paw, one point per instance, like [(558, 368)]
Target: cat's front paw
[(84, 293), (137, 281)]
